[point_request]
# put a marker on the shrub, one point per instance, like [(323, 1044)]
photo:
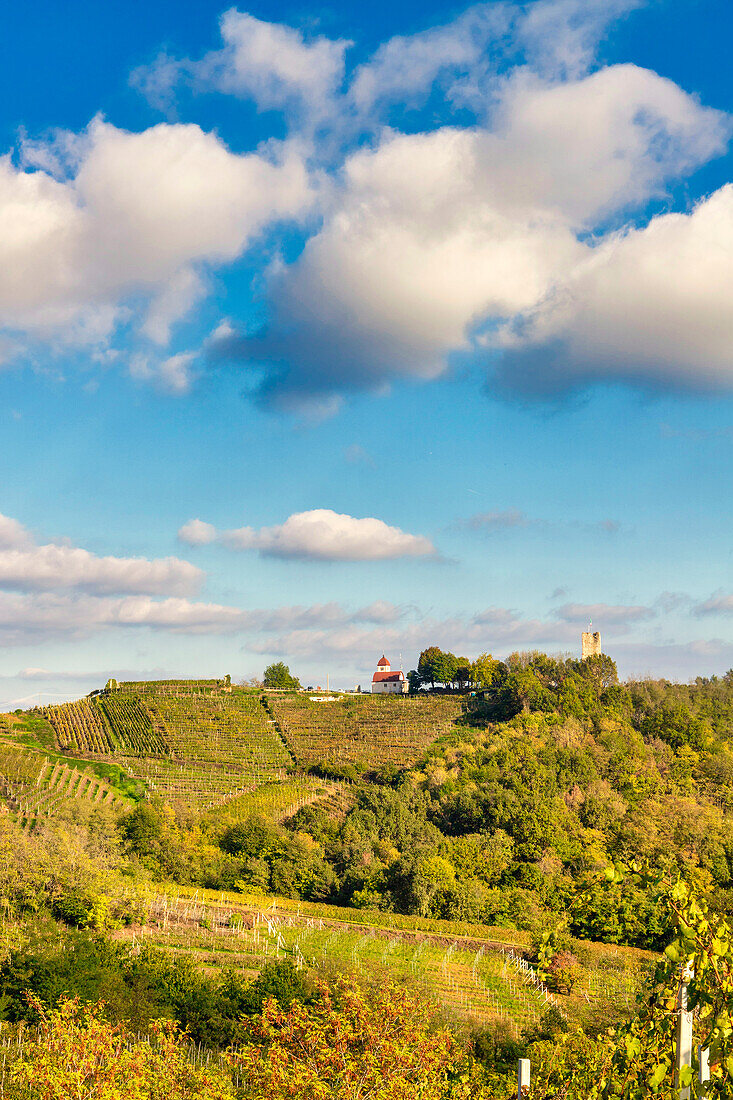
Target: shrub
[(78, 1053), (563, 971), (350, 1045)]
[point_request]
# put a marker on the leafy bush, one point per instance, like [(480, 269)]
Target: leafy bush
[(349, 1045), (78, 1053), (563, 971)]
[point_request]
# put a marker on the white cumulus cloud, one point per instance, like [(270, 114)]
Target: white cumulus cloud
[(651, 304), (197, 533), (131, 214), (275, 65), (435, 239), (317, 535), (13, 534)]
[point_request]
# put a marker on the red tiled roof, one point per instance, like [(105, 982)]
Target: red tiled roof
[(383, 662), (381, 677)]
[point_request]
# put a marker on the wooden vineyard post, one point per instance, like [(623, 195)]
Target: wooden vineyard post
[(522, 1078), (683, 1054)]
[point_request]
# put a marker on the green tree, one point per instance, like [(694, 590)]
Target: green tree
[(446, 668), (462, 674), (415, 681), (428, 665), (485, 671), (279, 676), (436, 666)]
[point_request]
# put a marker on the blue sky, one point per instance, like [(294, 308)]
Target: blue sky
[(327, 331)]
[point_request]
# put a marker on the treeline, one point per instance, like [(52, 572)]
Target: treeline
[(440, 667)]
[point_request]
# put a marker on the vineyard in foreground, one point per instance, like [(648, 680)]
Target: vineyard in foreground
[(475, 975)]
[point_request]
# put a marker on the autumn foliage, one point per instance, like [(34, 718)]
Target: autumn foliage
[(79, 1055), (352, 1046), (349, 1044)]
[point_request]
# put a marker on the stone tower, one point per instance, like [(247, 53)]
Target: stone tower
[(591, 644)]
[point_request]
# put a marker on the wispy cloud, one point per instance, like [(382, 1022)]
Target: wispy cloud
[(356, 455), (719, 604), (509, 519), (616, 615), (696, 435), (28, 567), (277, 66), (487, 522)]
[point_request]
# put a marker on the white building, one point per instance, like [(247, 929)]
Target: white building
[(386, 681)]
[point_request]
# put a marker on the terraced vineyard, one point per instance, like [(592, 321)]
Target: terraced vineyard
[(130, 725), (219, 743), (196, 743), (170, 687), (19, 770), (34, 785), (79, 726), (58, 784), (366, 731), (201, 742), (279, 800), (232, 729)]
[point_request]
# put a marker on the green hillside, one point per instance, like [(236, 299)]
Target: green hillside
[(457, 844)]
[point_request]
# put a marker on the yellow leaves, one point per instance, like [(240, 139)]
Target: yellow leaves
[(657, 1075), (79, 1054), (685, 1076), (349, 1045), (633, 1046)]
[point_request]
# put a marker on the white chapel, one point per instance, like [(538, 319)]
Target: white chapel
[(384, 680)]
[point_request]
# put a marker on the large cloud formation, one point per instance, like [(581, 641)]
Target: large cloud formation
[(515, 222), (649, 304), (317, 535), (435, 238), (93, 220)]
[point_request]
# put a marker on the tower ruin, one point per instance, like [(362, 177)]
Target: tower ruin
[(591, 643)]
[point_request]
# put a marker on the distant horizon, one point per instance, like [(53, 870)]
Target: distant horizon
[(340, 684)]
